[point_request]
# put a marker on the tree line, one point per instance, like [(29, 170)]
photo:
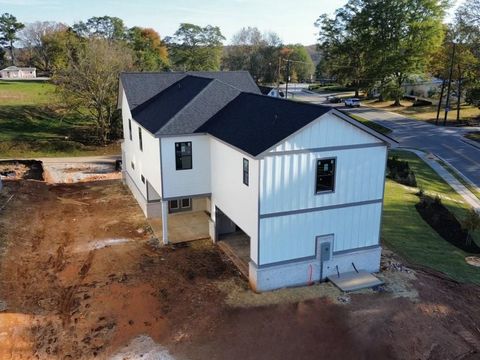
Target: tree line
[(85, 59), (378, 45)]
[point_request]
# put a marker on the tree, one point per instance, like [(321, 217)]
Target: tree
[(195, 48), (9, 26), (151, 53), (382, 41), (90, 82), (470, 224), (106, 27), (302, 67), (255, 52), (36, 39)]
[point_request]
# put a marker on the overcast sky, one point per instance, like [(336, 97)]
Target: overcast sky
[(292, 20)]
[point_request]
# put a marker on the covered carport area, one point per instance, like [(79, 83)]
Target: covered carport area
[(234, 242)]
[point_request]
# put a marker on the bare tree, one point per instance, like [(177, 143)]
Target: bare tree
[(36, 39), (90, 82)]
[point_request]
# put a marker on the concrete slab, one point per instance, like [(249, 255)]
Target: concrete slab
[(351, 281), (182, 227)]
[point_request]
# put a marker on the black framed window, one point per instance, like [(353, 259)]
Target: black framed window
[(325, 175), (245, 171), (143, 178), (132, 164), (186, 203), (130, 128), (183, 155), (140, 142)]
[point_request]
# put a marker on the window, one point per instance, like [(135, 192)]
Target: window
[(132, 165), (183, 155), (143, 178), (245, 171), (186, 203), (325, 175), (130, 128), (140, 138), (173, 204)]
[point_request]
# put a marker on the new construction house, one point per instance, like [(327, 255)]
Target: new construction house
[(295, 189)]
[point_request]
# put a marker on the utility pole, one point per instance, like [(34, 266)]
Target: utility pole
[(278, 76), (447, 104), (459, 92), (288, 78), (440, 101)]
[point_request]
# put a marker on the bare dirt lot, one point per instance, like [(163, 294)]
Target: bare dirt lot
[(82, 278)]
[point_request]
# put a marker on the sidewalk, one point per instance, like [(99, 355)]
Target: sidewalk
[(467, 195)]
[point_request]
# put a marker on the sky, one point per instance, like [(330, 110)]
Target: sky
[(292, 20)]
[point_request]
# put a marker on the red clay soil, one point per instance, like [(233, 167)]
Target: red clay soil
[(81, 278)]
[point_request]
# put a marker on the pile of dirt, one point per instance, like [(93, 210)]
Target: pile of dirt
[(445, 223), (21, 169)]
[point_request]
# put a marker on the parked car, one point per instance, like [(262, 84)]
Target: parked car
[(334, 99), (352, 102)]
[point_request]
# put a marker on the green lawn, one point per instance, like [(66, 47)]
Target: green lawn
[(475, 136), (372, 125), (405, 232), (33, 125)]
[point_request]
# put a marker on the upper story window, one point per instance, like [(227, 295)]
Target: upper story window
[(130, 128), (245, 171), (183, 155), (140, 142), (325, 181)]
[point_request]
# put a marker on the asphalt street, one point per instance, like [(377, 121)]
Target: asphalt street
[(446, 142)]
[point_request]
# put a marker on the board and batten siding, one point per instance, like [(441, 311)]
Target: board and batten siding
[(147, 162), (189, 182), (237, 200), (292, 215)]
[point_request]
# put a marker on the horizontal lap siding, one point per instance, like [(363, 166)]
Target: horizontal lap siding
[(147, 162), (237, 200), (291, 237), (193, 181)]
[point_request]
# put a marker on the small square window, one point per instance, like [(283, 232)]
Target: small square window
[(325, 181), (183, 155), (245, 171), (143, 178), (186, 203), (173, 204)]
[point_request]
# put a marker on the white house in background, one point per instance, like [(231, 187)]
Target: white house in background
[(13, 72), (304, 183), (270, 91)]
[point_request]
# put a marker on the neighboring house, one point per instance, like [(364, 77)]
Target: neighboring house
[(13, 72), (269, 91), (303, 183)]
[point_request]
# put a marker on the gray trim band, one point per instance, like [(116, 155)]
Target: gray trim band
[(342, 252), (326, 148), (187, 196), (320, 208)]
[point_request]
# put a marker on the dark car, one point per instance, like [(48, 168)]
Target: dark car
[(334, 99)]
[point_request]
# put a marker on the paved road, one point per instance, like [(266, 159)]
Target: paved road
[(447, 143)]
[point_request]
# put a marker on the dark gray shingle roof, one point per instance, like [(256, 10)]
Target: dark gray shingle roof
[(158, 110), (254, 123)]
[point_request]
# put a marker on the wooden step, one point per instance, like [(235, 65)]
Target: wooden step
[(241, 265)]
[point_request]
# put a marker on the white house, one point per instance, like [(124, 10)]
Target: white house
[(13, 72), (304, 183)]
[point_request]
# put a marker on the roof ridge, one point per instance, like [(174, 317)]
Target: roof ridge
[(153, 98), (196, 96)]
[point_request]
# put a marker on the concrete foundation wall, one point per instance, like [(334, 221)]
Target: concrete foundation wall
[(298, 273), (152, 209)]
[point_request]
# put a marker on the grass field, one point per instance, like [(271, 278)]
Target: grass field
[(32, 124), (405, 232), (475, 136), (372, 125), (426, 113)]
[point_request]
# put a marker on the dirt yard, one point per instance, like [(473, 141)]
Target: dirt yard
[(81, 277)]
